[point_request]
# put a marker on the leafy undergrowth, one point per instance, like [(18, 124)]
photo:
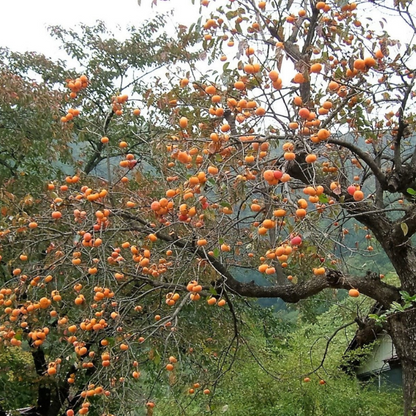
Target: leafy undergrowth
[(271, 374)]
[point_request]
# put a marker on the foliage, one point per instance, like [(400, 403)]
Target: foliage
[(407, 302), (43, 138), (17, 378), (31, 135), (121, 280), (287, 355)]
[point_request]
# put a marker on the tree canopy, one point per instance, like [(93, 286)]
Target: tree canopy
[(270, 137)]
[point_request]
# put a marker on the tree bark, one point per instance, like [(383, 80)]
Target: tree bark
[(402, 329), (44, 392)]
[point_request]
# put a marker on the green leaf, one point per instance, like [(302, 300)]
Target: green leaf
[(411, 191), (231, 14), (323, 199), (213, 291), (406, 297), (404, 228), (156, 358)]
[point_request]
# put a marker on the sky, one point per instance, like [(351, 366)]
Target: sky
[(23, 22)]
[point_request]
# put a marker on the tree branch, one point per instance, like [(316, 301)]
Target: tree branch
[(328, 342), (398, 229), (370, 285), (96, 157), (402, 127), (365, 157)]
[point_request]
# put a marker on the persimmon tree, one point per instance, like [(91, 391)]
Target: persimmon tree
[(259, 163)]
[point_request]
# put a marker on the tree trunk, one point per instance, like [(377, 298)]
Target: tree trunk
[(402, 329)]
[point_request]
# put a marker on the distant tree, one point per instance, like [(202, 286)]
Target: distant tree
[(40, 130)]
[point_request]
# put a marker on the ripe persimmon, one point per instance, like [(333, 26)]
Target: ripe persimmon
[(300, 212), (370, 62), (360, 64), (183, 122), (289, 156), (319, 271), (184, 82), (250, 51), (379, 54), (304, 113), (302, 203), (310, 158), (354, 293), (195, 296), (323, 134), (316, 68), (274, 75), (268, 224), (299, 78), (56, 215), (210, 89), (44, 303), (211, 301), (297, 101), (358, 195), (279, 212), (333, 86), (239, 85), (260, 111), (225, 247)]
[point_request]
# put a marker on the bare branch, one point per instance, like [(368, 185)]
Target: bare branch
[(328, 342), (365, 157)]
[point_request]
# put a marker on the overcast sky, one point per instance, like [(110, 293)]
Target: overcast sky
[(23, 22)]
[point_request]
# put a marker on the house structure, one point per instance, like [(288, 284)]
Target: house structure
[(380, 365)]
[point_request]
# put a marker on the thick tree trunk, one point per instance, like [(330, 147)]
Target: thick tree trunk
[(402, 329), (403, 259)]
